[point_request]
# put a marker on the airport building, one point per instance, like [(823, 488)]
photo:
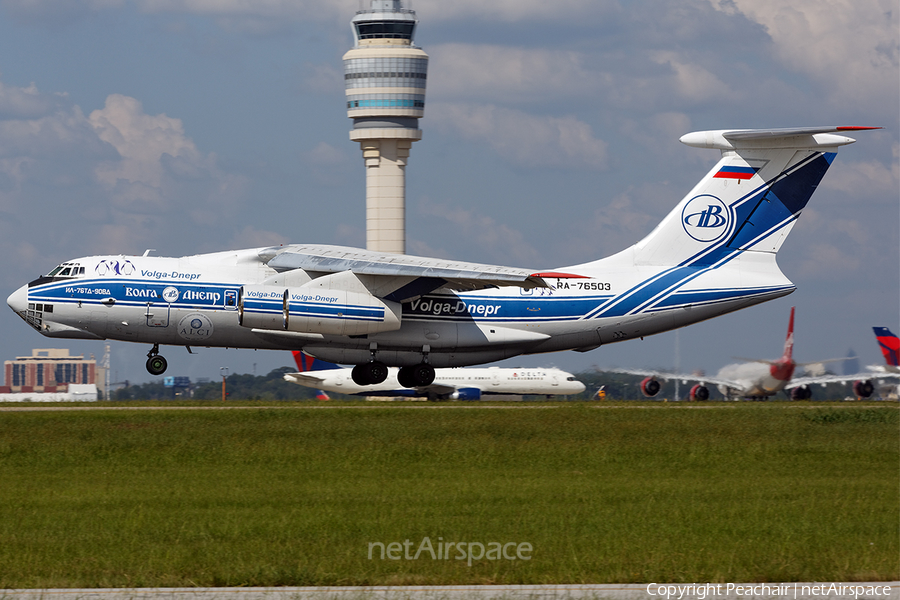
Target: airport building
[(49, 375), (385, 75)]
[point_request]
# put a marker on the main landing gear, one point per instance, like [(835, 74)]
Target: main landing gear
[(156, 364), (375, 372)]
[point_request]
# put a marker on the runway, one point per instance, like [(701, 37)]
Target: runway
[(631, 591)]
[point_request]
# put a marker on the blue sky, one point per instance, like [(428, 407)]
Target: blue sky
[(550, 138)]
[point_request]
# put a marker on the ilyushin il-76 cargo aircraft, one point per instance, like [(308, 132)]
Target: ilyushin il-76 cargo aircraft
[(714, 253)]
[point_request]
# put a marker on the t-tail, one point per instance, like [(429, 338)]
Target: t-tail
[(783, 368), (305, 363), (788, 354), (719, 243), (889, 344), (750, 199)]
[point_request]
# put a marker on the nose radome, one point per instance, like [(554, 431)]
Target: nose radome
[(18, 300)]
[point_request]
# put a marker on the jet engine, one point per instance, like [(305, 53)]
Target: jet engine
[(699, 392), (324, 305), (801, 392), (650, 387), (863, 389), (466, 394)]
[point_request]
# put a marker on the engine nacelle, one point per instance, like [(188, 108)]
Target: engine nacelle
[(339, 312), (317, 307), (650, 387), (801, 392), (700, 392), (262, 307), (863, 389), (466, 394)]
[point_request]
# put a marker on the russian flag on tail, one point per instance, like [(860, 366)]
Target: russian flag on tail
[(740, 173)]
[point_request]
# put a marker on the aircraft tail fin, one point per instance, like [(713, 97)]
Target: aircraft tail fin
[(788, 354), (305, 362), (889, 344), (750, 199)]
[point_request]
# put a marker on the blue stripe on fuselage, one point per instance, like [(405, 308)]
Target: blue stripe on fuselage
[(131, 292)]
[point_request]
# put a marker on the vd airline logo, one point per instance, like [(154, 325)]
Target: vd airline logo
[(114, 267), (705, 218)]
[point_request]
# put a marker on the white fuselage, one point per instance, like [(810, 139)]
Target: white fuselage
[(491, 380), (193, 301), (750, 380)]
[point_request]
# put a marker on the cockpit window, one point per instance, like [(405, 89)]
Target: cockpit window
[(66, 270)]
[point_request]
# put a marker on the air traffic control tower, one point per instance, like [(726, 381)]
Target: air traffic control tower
[(385, 75)]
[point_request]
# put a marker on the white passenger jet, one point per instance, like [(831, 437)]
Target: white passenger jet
[(761, 378), (713, 254), (448, 384)]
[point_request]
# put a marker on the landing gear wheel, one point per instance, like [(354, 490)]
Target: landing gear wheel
[(369, 373), (423, 374), (416, 376), (156, 365), (405, 377)]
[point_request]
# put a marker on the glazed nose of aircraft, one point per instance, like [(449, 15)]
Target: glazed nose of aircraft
[(18, 300)]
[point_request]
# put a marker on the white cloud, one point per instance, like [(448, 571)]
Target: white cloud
[(480, 233), (326, 155), (850, 47), (235, 13), (434, 10), (872, 176), (24, 103), (522, 138), (141, 141), (506, 74), (693, 82), (113, 180), (508, 10)]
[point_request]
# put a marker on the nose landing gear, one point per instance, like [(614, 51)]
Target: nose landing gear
[(156, 364)]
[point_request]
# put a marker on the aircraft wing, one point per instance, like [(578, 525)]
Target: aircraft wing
[(679, 376), (878, 370), (839, 379), (415, 275), (306, 379)]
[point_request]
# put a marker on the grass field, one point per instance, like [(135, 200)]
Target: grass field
[(298, 494)]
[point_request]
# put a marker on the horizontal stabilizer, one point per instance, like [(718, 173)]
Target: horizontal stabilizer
[(797, 137)]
